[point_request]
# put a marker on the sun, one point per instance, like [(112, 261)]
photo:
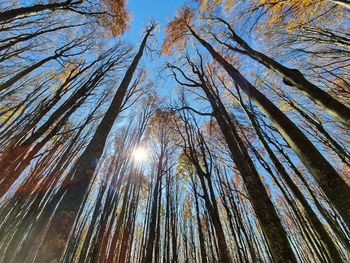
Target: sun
[(140, 154)]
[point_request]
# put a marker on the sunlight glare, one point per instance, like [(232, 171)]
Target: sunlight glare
[(140, 154)]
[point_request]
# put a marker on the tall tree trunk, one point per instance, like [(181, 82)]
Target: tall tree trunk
[(212, 209), (157, 239), (153, 213), (25, 72), (15, 155), (116, 238), (200, 230), (74, 191), (337, 229), (236, 232), (295, 78), (319, 228), (329, 180), (174, 231), (48, 185), (224, 251), (28, 10), (345, 3), (264, 208), (15, 169)]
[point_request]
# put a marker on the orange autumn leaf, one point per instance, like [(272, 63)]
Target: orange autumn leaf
[(176, 30)]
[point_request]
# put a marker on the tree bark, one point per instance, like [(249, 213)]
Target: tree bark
[(200, 230), (153, 213), (344, 3), (28, 10), (295, 78), (74, 191), (263, 207), (25, 72), (329, 180), (15, 154)]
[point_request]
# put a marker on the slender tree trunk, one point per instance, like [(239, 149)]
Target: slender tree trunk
[(15, 155), (329, 141), (200, 230), (48, 185), (174, 229), (345, 3), (261, 202), (339, 231), (236, 232), (324, 236), (25, 72), (120, 222), (295, 78), (74, 192), (224, 251), (153, 213), (330, 181), (158, 227), (28, 10)]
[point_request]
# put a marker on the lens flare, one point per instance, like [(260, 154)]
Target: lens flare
[(140, 154)]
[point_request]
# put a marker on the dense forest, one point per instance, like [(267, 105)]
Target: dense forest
[(235, 147)]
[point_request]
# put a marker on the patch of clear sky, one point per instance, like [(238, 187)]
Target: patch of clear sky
[(142, 12)]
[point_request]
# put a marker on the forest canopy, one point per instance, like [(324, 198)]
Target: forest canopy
[(218, 131)]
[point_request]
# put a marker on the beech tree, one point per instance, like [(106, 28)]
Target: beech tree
[(331, 182), (228, 142)]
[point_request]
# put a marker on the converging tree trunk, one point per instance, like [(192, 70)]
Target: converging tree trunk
[(74, 190), (28, 10), (325, 237), (329, 180), (295, 78), (344, 3), (264, 208)]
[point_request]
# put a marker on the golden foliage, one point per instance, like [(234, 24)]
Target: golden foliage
[(285, 106), (187, 211), (70, 68), (184, 166), (8, 115), (176, 30), (299, 10), (117, 19), (210, 5), (341, 89)]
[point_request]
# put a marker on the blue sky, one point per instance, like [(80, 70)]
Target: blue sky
[(144, 10)]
